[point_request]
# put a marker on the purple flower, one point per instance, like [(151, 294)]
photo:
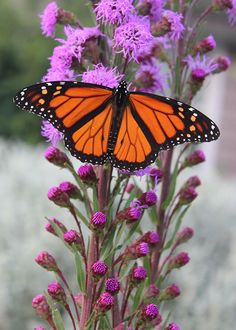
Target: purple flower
[(45, 260), (200, 66), (149, 312), (232, 13), (113, 11), (104, 302), (141, 249), (148, 198), (99, 269), (187, 195), (195, 158), (49, 19), (57, 292), (138, 274), (57, 74), (153, 8), (57, 223), (86, 174), (151, 237), (131, 214), (223, 63), (141, 172), (112, 286), (150, 79), (61, 58), (178, 261), (69, 188), (98, 220), (50, 133), (172, 326), (71, 236), (132, 36), (205, 45), (56, 157), (39, 328), (40, 304), (59, 197), (102, 75), (174, 25)]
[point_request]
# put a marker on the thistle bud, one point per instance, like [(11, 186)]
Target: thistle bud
[(172, 326), (169, 293), (149, 312), (151, 237), (57, 292), (45, 260), (138, 274), (205, 45), (148, 198), (222, 62), (184, 235), (130, 214), (104, 302), (40, 304), (70, 189), (98, 220), (99, 269), (72, 237), (136, 250), (50, 229), (178, 261), (151, 291), (129, 187), (193, 181), (87, 175), (195, 158), (56, 195), (187, 195), (112, 286), (56, 157)]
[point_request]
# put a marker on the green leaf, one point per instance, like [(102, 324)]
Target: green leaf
[(126, 268), (146, 264), (134, 228), (95, 199), (138, 295), (79, 271), (177, 226), (58, 319), (90, 321), (166, 320), (171, 188), (107, 323)]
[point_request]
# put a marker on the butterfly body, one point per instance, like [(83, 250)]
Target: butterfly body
[(125, 128)]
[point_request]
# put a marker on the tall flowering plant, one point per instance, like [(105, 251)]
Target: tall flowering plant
[(127, 237)]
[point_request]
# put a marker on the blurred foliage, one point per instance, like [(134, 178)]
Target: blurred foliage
[(24, 53)]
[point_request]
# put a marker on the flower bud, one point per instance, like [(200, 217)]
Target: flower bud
[(223, 63), (169, 293), (98, 220), (220, 5), (151, 237), (56, 157), (104, 302), (172, 326), (187, 195), (193, 181), (50, 229), (112, 286), (184, 235), (130, 214), (136, 250), (39, 328), (72, 237), (138, 274), (178, 261), (86, 174), (151, 291), (40, 304), (149, 312), (70, 189), (195, 158), (56, 195), (99, 269), (148, 198), (129, 187), (205, 45), (45, 260), (161, 27), (57, 292)]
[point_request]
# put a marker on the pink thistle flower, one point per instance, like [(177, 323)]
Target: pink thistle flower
[(138, 274), (153, 8), (71, 236), (150, 79), (51, 134), (101, 75), (113, 11), (200, 66), (148, 198), (104, 302), (56, 157), (222, 62), (231, 12), (50, 228), (171, 292), (57, 292), (86, 174), (176, 27), (99, 269), (112, 286), (40, 304), (178, 261), (131, 37), (59, 197), (205, 45), (149, 312), (98, 220), (69, 188), (46, 260), (184, 235), (172, 326), (49, 19)]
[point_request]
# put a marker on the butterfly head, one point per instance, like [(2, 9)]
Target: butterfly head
[(122, 88)]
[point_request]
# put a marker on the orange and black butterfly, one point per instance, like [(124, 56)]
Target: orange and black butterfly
[(127, 129)]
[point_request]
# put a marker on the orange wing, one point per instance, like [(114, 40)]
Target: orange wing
[(82, 112)]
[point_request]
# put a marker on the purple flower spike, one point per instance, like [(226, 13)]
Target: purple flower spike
[(59, 197), (56, 157), (40, 304), (102, 75), (61, 58), (149, 312), (49, 19), (99, 269), (172, 326), (138, 274), (104, 302), (45, 260), (112, 286), (51, 134), (113, 11), (132, 36), (98, 220), (178, 261), (71, 236), (57, 292), (69, 188), (86, 174)]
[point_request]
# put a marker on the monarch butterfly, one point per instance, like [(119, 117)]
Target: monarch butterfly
[(101, 124)]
